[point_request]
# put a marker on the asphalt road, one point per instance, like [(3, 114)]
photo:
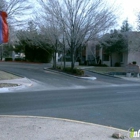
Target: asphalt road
[(115, 105)]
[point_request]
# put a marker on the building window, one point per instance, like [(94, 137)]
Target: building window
[(105, 57)]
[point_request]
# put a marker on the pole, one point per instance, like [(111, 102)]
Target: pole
[(1, 51)]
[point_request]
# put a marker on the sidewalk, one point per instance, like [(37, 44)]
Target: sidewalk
[(41, 128), (135, 79)]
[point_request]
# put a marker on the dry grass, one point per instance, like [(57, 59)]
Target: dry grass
[(105, 70), (7, 76)]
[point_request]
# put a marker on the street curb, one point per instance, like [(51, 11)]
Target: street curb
[(22, 62), (103, 74), (12, 81), (119, 77), (86, 78), (62, 119), (9, 89)]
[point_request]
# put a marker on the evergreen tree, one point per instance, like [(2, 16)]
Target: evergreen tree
[(114, 42), (125, 26)]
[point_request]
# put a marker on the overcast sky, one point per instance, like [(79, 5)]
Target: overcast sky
[(129, 9)]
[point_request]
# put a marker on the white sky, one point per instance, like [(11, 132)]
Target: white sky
[(129, 9)]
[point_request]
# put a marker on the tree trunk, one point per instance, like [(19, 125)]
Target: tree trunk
[(72, 56), (54, 60), (64, 52), (55, 51), (111, 60), (72, 61), (64, 57)]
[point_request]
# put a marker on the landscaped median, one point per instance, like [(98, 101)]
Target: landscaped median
[(76, 72), (68, 70)]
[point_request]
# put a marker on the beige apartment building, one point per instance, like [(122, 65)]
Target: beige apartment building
[(132, 54)]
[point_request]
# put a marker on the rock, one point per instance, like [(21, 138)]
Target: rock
[(118, 136)]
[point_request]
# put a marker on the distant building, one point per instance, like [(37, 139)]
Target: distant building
[(132, 54)]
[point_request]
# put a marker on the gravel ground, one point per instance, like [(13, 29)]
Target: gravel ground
[(7, 85)]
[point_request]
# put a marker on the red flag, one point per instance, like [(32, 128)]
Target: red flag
[(4, 32)]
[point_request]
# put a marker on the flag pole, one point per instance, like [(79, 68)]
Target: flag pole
[(1, 46)]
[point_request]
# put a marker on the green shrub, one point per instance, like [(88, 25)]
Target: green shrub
[(8, 59), (58, 67), (67, 69), (18, 59), (100, 65), (134, 62), (79, 72), (117, 64), (75, 71)]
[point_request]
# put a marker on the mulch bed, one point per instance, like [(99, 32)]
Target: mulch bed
[(59, 70)]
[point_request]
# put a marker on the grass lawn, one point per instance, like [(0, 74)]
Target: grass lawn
[(105, 70)]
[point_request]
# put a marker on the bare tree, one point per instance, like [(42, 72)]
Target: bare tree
[(138, 21), (2, 4), (80, 20), (17, 11), (52, 34)]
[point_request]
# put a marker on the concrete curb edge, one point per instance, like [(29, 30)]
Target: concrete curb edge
[(86, 78)]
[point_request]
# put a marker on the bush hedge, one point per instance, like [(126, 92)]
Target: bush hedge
[(8, 59), (18, 59), (75, 71), (117, 64), (134, 62)]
